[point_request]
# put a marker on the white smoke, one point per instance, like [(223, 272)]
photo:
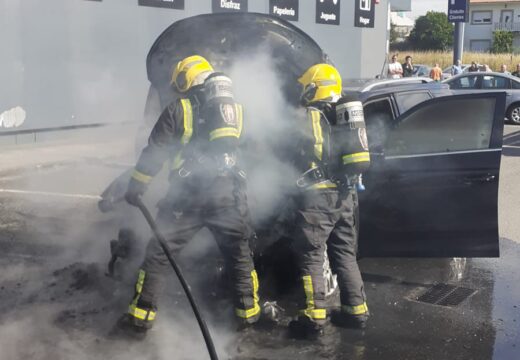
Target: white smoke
[(269, 127)]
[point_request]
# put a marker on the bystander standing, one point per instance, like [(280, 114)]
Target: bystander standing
[(503, 69), (436, 73), (456, 69), (395, 70), (408, 67), (473, 67), (517, 72)]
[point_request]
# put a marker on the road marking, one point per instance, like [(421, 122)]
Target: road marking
[(45, 193), (512, 146)]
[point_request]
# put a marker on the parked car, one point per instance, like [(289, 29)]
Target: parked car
[(432, 189), (446, 73), (491, 82), (421, 70)]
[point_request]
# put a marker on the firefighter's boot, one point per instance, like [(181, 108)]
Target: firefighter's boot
[(305, 329), (353, 317)]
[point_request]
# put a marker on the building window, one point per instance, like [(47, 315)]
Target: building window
[(481, 17), (480, 45)]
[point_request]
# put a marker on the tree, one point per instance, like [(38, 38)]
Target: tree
[(432, 32), (393, 35), (502, 42)]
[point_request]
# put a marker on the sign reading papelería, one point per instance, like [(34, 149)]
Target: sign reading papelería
[(286, 9)]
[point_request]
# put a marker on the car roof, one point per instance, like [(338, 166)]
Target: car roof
[(385, 83), (434, 87), (483, 73), (463, 66)]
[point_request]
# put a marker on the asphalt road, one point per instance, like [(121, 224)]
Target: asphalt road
[(509, 198), (57, 303)]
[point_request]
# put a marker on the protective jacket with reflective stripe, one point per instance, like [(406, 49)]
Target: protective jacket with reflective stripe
[(185, 126), (314, 143)]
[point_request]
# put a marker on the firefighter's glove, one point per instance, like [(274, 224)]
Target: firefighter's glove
[(134, 192)]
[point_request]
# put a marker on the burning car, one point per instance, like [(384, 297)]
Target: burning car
[(432, 189)]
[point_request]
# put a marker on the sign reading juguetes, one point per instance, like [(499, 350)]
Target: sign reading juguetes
[(327, 12)]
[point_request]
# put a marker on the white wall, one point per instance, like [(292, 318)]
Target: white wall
[(76, 61), (485, 32)]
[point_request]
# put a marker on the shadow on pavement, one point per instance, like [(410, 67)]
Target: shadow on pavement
[(511, 145)]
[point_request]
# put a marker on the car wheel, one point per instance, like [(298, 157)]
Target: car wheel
[(513, 114)]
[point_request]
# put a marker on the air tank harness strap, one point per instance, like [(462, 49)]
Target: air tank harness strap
[(314, 178)]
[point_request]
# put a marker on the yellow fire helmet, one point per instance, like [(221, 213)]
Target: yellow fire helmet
[(187, 70), (320, 82)]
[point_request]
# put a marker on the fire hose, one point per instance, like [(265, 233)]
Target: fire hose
[(162, 241)]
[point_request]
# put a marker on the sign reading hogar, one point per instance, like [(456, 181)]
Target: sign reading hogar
[(169, 4), (286, 9), (364, 13), (327, 12), (458, 11), (218, 6)]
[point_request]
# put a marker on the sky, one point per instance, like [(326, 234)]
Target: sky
[(420, 7)]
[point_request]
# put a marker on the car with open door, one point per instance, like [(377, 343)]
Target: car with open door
[(432, 189), (490, 82)]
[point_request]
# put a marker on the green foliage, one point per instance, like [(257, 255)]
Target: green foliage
[(393, 35), (432, 32), (502, 42)]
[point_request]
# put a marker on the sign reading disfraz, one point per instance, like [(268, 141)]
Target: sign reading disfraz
[(458, 11), (229, 6), (286, 9), (169, 4), (327, 12), (364, 13)]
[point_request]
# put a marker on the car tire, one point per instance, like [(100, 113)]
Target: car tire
[(513, 114)]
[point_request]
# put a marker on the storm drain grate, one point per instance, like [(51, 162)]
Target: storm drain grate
[(446, 295)]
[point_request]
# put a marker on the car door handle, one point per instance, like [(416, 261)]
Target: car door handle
[(479, 178)]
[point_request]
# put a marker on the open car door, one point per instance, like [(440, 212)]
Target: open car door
[(432, 189)]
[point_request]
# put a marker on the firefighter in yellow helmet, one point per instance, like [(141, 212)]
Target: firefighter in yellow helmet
[(207, 189), (326, 203)]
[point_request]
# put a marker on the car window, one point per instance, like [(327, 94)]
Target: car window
[(494, 82), (407, 100), (450, 125), (464, 82), (423, 72), (516, 84), (378, 117)]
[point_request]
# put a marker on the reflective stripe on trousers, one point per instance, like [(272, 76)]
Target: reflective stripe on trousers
[(133, 309), (311, 311), (255, 310), (355, 310)]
